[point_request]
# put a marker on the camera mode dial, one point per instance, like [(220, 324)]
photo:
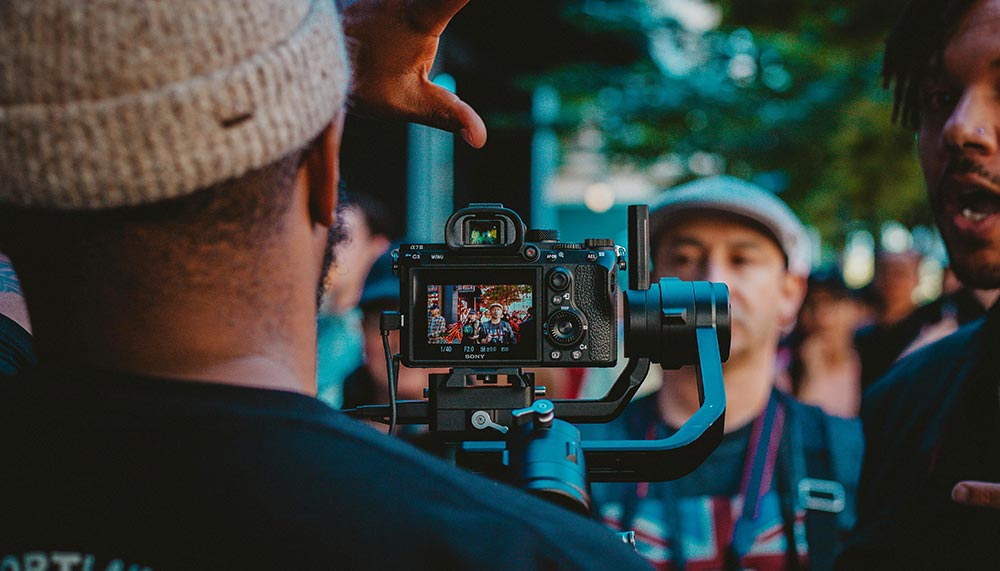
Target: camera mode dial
[(565, 328)]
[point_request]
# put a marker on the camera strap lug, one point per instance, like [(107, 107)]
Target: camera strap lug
[(621, 257)]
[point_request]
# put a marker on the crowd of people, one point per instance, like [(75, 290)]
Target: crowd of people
[(169, 205), (492, 324)]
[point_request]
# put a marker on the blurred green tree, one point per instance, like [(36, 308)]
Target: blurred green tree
[(783, 92)]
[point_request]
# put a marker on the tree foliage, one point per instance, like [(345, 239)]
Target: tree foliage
[(505, 294), (783, 92)]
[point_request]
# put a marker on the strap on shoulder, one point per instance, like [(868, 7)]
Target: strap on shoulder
[(829, 454)]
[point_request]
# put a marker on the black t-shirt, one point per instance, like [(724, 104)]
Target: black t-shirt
[(933, 421), (16, 352), (101, 470)]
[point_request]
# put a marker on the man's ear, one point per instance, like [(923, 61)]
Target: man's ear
[(322, 164), (793, 293)]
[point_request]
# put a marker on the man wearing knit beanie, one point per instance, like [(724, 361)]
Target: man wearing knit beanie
[(168, 174)]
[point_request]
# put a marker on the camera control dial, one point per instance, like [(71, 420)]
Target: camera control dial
[(598, 243), (535, 235), (565, 328)]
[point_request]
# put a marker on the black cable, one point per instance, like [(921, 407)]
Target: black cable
[(391, 373)]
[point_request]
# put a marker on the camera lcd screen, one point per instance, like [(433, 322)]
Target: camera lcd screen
[(466, 319), (484, 232)]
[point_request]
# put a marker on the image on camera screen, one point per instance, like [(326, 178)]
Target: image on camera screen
[(483, 232), (488, 319)]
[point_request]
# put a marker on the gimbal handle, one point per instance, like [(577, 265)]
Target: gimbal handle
[(635, 460), (679, 454)]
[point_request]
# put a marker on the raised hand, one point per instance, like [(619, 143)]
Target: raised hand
[(393, 44)]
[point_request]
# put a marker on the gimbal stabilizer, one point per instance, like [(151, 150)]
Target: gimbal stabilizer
[(501, 430)]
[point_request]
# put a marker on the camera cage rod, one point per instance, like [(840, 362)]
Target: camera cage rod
[(606, 460)]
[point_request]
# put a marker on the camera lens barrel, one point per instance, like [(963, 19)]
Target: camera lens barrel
[(660, 322)]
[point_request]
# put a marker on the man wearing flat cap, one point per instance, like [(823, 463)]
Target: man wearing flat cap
[(777, 491), (168, 176)]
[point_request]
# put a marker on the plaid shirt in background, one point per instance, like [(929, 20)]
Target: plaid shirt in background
[(438, 326)]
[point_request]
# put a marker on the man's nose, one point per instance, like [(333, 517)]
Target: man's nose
[(718, 271), (972, 126)]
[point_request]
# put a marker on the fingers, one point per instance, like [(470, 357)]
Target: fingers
[(395, 45), (983, 494), (447, 111)]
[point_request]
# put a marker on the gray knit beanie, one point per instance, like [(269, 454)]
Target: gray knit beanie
[(109, 103)]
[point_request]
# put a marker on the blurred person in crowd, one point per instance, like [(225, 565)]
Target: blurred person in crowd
[(168, 182), (369, 382), (726, 230), (882, 345), (897, 275), (930, 486), (825, 370), (16, 351), (956, 306), (365, 225)]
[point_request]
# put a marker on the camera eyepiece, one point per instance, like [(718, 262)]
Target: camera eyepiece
[(485, 226)]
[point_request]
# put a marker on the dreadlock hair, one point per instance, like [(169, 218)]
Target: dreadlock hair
[(915, 42)]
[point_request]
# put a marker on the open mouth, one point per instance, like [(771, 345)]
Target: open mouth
[(972, 210), (977, 204)]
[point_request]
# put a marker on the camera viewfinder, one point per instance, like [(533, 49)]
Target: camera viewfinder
[(484, 232)]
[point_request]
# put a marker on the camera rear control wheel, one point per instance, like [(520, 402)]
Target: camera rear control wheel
[(565, 328)]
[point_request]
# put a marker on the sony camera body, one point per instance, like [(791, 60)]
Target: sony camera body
[(496, 294)]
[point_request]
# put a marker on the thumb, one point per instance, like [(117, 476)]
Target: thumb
[(445, 110)]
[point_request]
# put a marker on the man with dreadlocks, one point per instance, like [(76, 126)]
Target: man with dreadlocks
[(928, 495)]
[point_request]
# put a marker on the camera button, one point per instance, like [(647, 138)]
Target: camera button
[(559, 279), (555, 355), (531, 253), (576, 355), (591, 256), (551, 256), (557, 299)]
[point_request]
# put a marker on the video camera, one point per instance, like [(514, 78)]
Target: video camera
[(496, 297), (464, 299)]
